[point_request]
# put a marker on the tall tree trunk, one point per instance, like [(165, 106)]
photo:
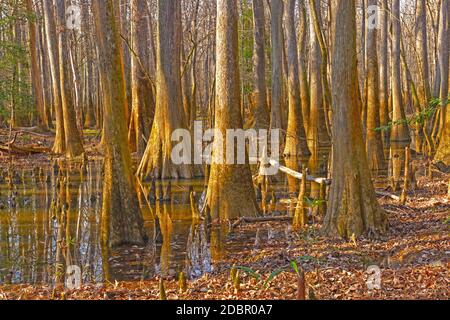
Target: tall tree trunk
[(400, 137), (276, 20), (424, 74), (317, 130), (122, 221), (74, 146), (230, 190), (59, 145), (384, 73), (314, 5), (296, 144), (36, 70), (374, 144), (422, 46), (157, 161), (443, 150), (303, 64), (141, 90), (260, 112), (353, 207)]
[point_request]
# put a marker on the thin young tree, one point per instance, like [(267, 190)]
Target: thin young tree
[(353, 208), (384, 72)]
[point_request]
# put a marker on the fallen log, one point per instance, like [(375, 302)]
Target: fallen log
[(260, 219), (33, 131), (298, 175), (387, 194), (294, 173), (23, 150)]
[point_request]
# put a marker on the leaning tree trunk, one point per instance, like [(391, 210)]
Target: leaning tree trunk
[(156, 161), (374, 142), (296, 144), (74, 145), (261, 109), (230, 190), (122, 221), (353, 207)]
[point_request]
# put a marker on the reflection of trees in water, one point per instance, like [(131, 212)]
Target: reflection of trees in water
[(198, 252), (52, 219), (166, 227)]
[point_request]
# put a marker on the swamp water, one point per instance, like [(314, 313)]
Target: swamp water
[(30, 232)]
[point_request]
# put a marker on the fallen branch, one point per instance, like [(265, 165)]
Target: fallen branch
[(11, 148), (260, 219), (387, 194)]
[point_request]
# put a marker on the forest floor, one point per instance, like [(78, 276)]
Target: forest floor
[(413, 257)]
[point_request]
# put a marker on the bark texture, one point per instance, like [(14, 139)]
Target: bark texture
[(261, 110), (296, 144), (374, 144), (122, 221), (230, 190), (157, 161), (353, 207)]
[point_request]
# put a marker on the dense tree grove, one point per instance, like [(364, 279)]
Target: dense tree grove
[(357, 91)]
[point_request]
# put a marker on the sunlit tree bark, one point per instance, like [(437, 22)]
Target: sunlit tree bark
[(73, 143), (400, 137), (157, 161), (59, 144), (353, 207), (141, 90), (36, 70), (303, 64), (122, 221), (384, 72), (230, 190), (296, 144), (374, 143), (443, 150), (260, 111), (276, 20), (317, 130)]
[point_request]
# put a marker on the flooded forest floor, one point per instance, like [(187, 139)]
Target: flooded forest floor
[(413, 256)]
